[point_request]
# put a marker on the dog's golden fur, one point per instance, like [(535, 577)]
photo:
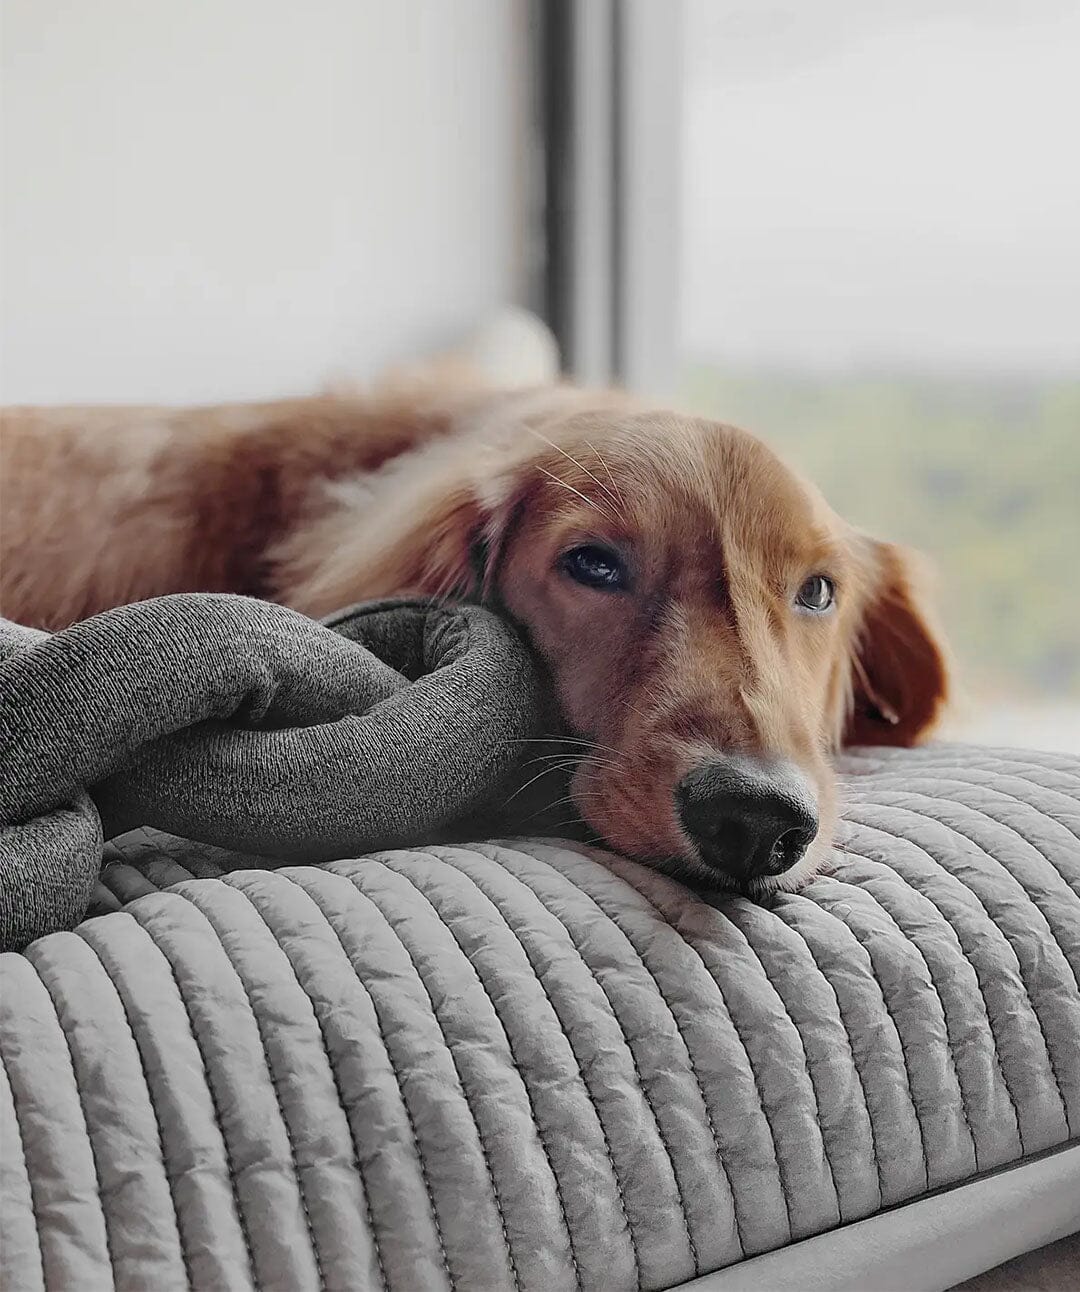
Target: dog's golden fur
[(326, 501)]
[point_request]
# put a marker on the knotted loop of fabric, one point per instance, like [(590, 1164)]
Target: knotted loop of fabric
[(250, 727)]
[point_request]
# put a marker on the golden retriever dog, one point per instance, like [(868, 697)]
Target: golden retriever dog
[(713, 631)]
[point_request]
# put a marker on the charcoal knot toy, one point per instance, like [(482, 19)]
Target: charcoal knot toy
[(246, 725)]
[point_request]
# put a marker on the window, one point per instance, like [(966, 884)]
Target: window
[(880, 273)]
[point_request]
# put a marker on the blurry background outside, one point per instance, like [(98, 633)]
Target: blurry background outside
[(852, 228), (881, 215)]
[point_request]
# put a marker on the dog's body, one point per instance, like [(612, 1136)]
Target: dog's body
[(659, 564), (102, 506)]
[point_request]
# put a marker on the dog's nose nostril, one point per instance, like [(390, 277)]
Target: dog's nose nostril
[(749, 818), (788, 849)]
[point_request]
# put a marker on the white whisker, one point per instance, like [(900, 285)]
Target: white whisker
[(589, 502), (561, 740), (599, 458), (575, 755), (546, 772)]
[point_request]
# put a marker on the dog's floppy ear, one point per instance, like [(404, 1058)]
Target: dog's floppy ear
[(437, 553), (430, 527), (455, 545), (899, 670)]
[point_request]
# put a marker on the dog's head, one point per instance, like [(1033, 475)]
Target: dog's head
[(713, 629)]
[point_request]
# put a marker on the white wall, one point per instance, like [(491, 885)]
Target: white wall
[(209, 199)]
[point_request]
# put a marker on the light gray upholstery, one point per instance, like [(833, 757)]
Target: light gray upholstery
[(527, 1066), (939, 1241)]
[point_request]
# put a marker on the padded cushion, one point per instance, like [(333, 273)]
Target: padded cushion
[(526, 1065)]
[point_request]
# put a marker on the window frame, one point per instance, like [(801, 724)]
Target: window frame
[(611, 128)]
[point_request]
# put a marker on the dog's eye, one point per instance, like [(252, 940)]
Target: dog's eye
[(596, 567), (816, 594)]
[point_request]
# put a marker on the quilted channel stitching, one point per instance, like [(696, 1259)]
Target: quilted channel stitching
[(464, 1090), (23, 1159), (633, 1059), (241, 1217), (630, 879), (313, 893), (335, 1077), (82, 1108), (153, 1107), (848, 850), (994, 789), (802, 1050), (945, 1013), (689, 1054), (784, 1188), (855, 1065), (585, 1084), (1023, 976), (992, 1022), (1037, 854), (750, 1066), (866, 944)]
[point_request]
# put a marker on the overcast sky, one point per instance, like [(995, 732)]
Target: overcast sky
[(883, 183)]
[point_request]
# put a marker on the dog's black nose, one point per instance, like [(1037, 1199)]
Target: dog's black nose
[(749, 818)]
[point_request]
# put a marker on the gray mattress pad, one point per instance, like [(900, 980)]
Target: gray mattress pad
[(526, 1064)]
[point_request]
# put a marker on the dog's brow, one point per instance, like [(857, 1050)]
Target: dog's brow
[(827, 554), (581, 466), (589, 502)]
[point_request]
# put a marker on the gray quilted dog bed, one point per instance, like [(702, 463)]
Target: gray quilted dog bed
[(531, 1065)]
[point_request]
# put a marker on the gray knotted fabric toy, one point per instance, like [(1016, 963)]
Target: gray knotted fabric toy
[(248, 726)]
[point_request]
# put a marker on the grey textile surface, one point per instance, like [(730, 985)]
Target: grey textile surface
[(937, 1242), (249, 726), (528, 1065)]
